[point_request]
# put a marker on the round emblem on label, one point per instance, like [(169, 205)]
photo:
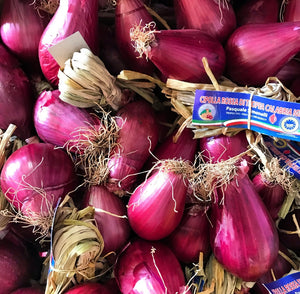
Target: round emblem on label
[(289, 124)]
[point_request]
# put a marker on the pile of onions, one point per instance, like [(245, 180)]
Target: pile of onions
[(149, 267), (191, 236), (243, 236), (34, 177), (110, 216), (252, 51), (71, 16), (156, 206), (178, 54), (213, 17), (21, 27), (129, 13), (16, 96)]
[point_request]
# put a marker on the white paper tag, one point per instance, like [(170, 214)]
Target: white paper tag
[(63, 50)]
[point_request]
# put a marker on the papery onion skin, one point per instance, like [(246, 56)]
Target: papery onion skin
[(191, 236), (156, 206), (127, 14), (35, 176), (137, 137), (252, 51), (291, 11), (60, 123), (178, 55), (214, 18), (243, 237), (21, 28), (89, 288), (16, 97), (146, 267), (110, 216), (70, 17)]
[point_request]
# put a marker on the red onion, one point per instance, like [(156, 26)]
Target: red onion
[(291, 10), (258, 11), (16, 96), (129, 13), (178, 54), (71, 16), (191, 236), (146, 267), (29, 290), (289, 72), (295, 87), (252, 51), (156, 207), (272, 194), (214, 17), (138, 136), (21, 28), (89, 288), (243, 237), (35, 176), (110, 216), (288, 227)]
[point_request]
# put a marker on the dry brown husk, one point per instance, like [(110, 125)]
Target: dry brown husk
[(76, 248)]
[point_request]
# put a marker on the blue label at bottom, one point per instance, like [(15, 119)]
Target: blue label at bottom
[(288, 284)]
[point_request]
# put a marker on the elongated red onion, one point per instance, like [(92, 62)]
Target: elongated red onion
[(272, 194), (191, 236), (289, 72), (257, 11), (89, 288), (129, 13), (156, 206), (21, 28), (244, 238), (178, 54), (71, 16), (110, 216), (59, 123), (137, 137), (16, 96), (214, 17), (291, 10), (288, 227), (29, 290), (146, 267), (252, 51), (35, 176)]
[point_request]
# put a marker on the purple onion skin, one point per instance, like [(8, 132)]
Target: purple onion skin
[(243, 238), (7, 58), (37, 166), (129, 13), (21, 28), (252, 51), (114, 230), (291, 11), (258, 11), (89, 288), (295, 87), (289, 72), (146, 267), (71, 16), (55, 127), (178, 54), (156, 207), (272, 195), (29, 290), (209, 16), (191, 236)]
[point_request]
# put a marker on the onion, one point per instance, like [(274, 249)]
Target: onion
[(89, 288), (243, 237), (71, 16), (29, 290), (156, 206), (146, 267), (258, 11), (178, 54), (252, 51), (34, 177), (271, 193), (295, 87), (110, 216), (137, 137), (129, 13), (289, 72), (291, 10), (16, 96), (21, 28), (214, 17), (191, 236)]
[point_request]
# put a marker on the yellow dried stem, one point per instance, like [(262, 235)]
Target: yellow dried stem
[(4, 142), (50, 6)]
